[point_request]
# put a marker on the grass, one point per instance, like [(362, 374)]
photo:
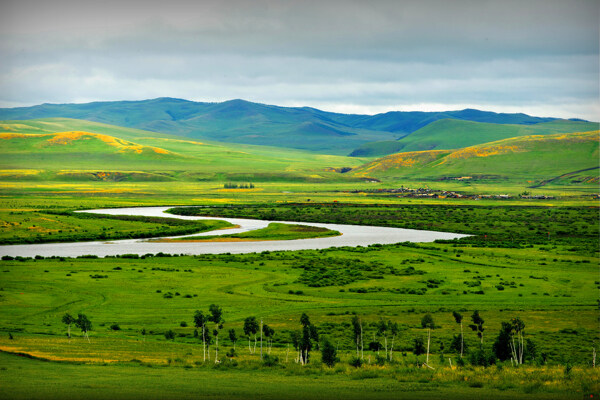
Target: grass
[(526, 158), (274, 231), (550, 283), (32, 150), (456, 134)]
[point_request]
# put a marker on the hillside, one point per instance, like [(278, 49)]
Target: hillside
[(31, 150), (531, 158), (455, 134), (239, 121)]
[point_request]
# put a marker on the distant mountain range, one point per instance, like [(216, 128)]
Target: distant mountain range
[(239, 121)]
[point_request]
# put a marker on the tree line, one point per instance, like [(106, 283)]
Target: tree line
[(508, 345)]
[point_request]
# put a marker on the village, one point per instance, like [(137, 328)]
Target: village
[(446, 194)]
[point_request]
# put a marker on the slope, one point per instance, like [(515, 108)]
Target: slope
[(239, 121), (84, 155), (455, 134), (535, 157)]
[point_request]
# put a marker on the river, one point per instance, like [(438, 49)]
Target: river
[(352, 235)]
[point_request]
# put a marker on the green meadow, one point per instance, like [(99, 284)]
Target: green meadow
[(535, 260)]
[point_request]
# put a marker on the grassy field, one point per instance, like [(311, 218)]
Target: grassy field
[(274, 231), (517, 270), (527, 158), (75, 150)]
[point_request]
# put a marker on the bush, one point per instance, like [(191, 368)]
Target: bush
[(482, 357), (328, 353), (231, 353), (169, 335), (183, 324), (270, 361), (356, 362), (115, 327)]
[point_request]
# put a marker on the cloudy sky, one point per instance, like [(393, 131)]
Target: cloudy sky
[(540, 57)]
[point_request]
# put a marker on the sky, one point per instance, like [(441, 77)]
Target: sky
[(540, 57)]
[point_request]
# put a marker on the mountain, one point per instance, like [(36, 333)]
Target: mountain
[(239, 121), (455, 134), (533, 158), (67, 149)]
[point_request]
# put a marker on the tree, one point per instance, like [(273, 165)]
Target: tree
[(502, 344), (200, 322), (394, 330), (216, 316), (295, 337), (68, 319), (477, 325), (251, 328), (518, 327), (309, 333), (458, 318), (83, 323), (358, 335), (382, 329), (427, 322), (418, 347), (328, 353), (233, 337), (269, 333)]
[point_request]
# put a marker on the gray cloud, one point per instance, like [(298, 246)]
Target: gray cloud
[(343, 55)]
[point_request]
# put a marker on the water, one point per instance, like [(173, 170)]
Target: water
[(352, 235)]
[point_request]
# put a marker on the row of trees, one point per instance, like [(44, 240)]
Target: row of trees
[(509, 345)]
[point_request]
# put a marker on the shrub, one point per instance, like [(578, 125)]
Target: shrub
[(183, 324), (270, 361), (328, 353), (169, 335), (115, 327), (356, 362)]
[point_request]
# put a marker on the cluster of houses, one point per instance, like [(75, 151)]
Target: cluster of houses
[(444, 194)]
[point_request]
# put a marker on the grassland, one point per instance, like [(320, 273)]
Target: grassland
[(532, 259), (157, 294), (274, 231), (74, 150), (456, 134), (527, 158)]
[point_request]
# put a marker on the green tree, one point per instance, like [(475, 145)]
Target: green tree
[(458, 318), (216, 316), (328, 353), (68, 320), (251, 328), (418, 347), (233, 337), (84, 323), (427, 322), (269, 333), (309, 333), (477, 325), (357, 331), (200, 322)]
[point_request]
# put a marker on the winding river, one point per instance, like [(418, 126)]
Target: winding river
[(352, 235)]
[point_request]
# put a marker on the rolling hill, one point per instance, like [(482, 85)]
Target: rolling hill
[(74, 149), (533, 158), (455, 134), (239, 121)]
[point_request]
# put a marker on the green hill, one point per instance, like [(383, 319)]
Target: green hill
[(239, 121), (455, 134), (75, 149), (534, 158)]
